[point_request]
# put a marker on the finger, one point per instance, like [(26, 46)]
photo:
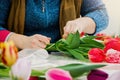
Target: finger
[(75, 28), (64, 36), (38, 44), (70, 27), (67, 28), (65, 33), (42, 38)]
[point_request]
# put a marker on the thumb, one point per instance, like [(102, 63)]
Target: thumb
[(65, 35)]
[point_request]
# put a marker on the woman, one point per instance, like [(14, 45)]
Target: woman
[(34, 23)]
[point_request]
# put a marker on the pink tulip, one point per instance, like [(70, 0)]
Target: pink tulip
[(112, 56), (57, 74), (21, 70)]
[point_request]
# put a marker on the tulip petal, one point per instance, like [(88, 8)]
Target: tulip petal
[(21, 69), (58, 74)]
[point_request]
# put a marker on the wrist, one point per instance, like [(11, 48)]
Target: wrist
[(18, 39)]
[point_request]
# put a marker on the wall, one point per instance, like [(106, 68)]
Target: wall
[(114, 17)]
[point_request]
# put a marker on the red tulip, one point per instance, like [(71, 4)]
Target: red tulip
[(96, 55), (82, 34), (102, 36), (112, 44)]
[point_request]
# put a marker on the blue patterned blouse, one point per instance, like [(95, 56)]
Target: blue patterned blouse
[(47, 22)]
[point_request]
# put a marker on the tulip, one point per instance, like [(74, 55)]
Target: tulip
[(57, 74), (112, 56), (9, 53), (82, 34), (112, 44), (21, 70), (96, 55), (102, 36)]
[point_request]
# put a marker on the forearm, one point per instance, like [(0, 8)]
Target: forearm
[(97, 12), (100, 17), (19, 40)]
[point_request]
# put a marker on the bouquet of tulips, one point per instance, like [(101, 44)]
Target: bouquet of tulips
[(20, 68), (76, 45), (97, 48)]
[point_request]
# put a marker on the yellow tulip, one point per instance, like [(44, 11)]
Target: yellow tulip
[(9, 53), (0, 50)]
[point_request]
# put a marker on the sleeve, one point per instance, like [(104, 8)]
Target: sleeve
[(4, 12), (96, 10)]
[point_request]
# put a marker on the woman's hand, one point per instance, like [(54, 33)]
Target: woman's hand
[(35, 41), (84, 24)]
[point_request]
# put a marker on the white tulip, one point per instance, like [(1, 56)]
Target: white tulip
[(21, 70)]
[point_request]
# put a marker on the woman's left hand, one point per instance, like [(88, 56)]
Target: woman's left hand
[(84, 24)]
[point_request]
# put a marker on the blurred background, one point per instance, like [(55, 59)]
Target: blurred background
[(114, 16)]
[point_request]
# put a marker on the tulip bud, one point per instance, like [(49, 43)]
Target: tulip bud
[(96, 55), (21, 70), (58, 74), (9, 53)]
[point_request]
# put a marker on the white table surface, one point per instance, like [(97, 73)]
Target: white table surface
[(40, 61)]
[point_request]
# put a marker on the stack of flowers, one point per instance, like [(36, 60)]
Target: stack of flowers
[(111, 51), (20, 68), (98, 48), (76, 45)]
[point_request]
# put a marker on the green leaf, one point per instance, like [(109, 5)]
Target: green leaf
[(77, 70), (74, 40), (37, 73), (2, 67), (4, 72), (77, 55), (51, 47), (94, 42), (83, 53), (89, 37), (84, 49), (69, 38), (90, 46)]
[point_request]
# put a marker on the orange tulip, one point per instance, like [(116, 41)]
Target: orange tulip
[(9, 53)]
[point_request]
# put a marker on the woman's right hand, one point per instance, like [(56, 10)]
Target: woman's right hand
[(34, 41)]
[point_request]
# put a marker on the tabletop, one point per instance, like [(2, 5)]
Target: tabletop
[(41, 60)]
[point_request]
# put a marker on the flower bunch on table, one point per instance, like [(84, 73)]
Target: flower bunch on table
[(97, 48), (111, 51), (20, 68)]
